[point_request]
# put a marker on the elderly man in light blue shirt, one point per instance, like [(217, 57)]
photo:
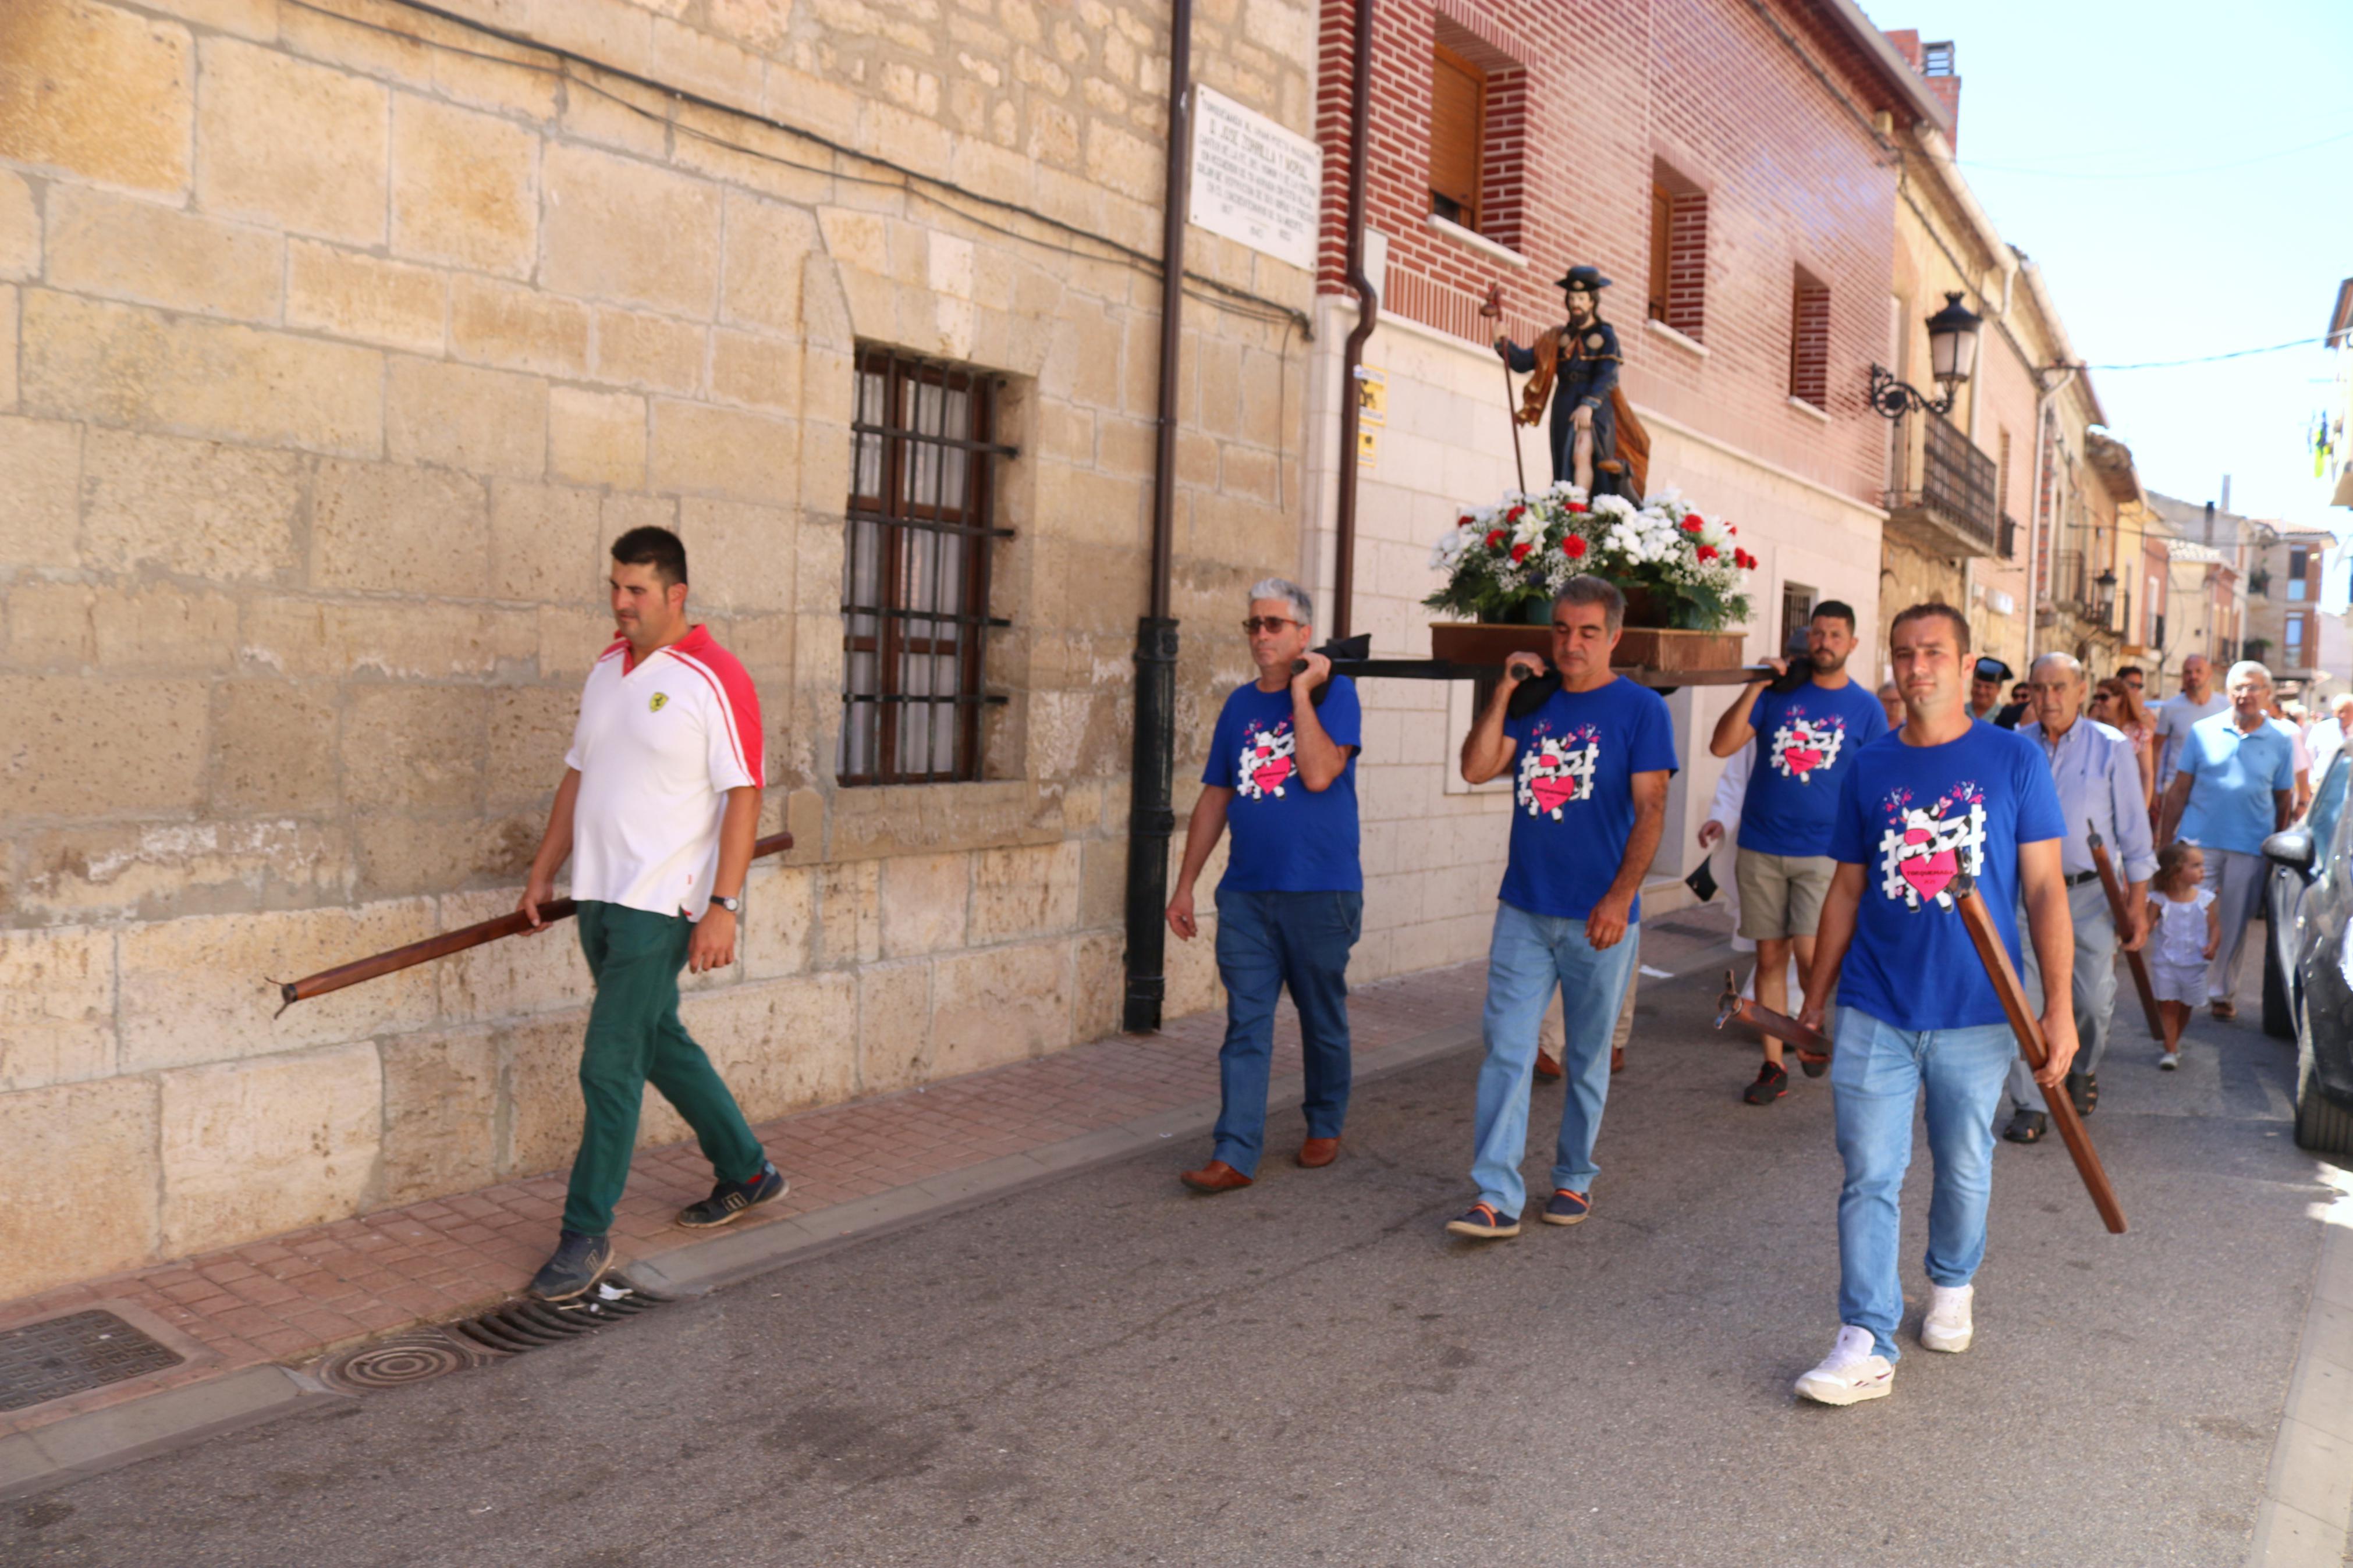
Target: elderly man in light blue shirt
[(2235, 788), (2099, 791)]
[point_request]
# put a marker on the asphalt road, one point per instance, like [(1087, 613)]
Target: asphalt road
[(1112, 1371)]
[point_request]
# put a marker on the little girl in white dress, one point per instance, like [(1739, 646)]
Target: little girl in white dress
[(2184, 931)]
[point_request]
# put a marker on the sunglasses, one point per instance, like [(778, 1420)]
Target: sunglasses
[(1253, 625)]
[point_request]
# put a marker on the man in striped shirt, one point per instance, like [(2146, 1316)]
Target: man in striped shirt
[(657, 812)]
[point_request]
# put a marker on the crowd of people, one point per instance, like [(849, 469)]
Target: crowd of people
[(1855, 819)]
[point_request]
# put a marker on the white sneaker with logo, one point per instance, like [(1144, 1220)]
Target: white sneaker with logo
[(1947, 1327), (1853, 1372)]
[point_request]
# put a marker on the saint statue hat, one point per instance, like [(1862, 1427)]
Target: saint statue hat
[(1583, 277)]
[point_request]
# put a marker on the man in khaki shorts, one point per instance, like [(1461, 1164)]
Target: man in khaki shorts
[(1805, 740)]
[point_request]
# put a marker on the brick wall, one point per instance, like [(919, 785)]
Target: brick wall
[(1780, 172), (337, 347)]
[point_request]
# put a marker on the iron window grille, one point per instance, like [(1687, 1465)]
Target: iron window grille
[(915, 571)]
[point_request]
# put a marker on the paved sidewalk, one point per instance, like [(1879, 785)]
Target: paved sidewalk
[(294, 1298)]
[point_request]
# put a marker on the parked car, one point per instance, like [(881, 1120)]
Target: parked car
[(2308, 960)]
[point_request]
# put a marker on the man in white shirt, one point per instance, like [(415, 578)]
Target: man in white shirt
[(657, 812), (2327, 737), (2197, 700)]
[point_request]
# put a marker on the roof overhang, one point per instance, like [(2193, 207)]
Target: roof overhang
[(1894, 73)]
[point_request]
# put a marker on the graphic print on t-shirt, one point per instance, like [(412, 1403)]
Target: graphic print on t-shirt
[(1264, 767), (1803, 746), (1556, 769), (1922, 849)]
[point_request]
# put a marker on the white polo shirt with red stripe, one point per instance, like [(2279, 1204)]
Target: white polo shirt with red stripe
[(659, 742)]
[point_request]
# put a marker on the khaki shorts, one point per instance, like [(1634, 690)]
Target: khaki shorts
[(1781, 895)]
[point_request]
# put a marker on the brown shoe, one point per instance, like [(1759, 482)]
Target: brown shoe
[(1318, 1153), (1547, 1068), (1217, 1176), (1617, 1058), (2222, 1009)]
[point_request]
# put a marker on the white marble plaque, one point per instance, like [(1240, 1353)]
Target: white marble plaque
[(1253, 181)]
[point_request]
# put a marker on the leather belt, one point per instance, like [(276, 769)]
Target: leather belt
[(2080, 878)]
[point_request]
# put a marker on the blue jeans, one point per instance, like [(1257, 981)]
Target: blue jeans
[(1529, 955), (1877, 1073), (1266, 941)]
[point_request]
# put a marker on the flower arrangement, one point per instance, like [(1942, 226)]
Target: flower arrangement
[(1508, 561)]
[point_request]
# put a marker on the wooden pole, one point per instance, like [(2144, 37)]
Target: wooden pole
[(1813, 1047), (1978, 921), (2115, 890), (399, 958)]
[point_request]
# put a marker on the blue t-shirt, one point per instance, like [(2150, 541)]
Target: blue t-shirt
[(1911, 816), (1287, 837), (1573, 796), (1807, 741), (2232, 774)]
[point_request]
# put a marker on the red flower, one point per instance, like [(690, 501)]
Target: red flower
[(1573, 547), (1578, 506), (1731, 527), (1464, 521), (1691, 525), (1519, 553), (1692, 519), (1517, 513), (1495, 540), (1707, 552)]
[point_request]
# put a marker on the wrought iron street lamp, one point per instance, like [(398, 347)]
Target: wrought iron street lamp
[(1952, 358), (2106, 602)]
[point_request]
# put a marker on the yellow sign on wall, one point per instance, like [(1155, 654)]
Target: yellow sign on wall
[(1368, 448), (1372, 395)]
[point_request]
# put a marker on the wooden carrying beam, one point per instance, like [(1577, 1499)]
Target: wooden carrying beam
[(1978, 921), (399, 958)]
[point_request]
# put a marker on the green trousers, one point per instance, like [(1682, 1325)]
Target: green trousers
[(635, 1038)]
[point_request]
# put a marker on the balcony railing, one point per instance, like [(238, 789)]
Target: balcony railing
[(1945, 499)]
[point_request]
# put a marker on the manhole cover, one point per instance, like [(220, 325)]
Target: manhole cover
[(72, 1354)]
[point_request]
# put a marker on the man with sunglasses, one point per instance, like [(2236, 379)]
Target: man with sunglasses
[(1282, 775)]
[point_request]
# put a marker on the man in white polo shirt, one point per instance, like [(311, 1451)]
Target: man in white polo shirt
[(657, 813)]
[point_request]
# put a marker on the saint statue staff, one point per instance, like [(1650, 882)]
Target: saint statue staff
[(2116, 891), (1495, 307), (432, 947), (1978, 921)]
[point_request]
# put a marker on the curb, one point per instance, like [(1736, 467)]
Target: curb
[(82, 1446), (2308, 1497), (85, 1445)]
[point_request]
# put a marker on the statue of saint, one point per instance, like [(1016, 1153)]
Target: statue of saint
[(1597, 443)]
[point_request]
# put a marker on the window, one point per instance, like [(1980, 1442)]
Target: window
[(1809, 341), (915, 571), (2299, 561), (1936, 59), (1678, 280), (1797, 612), (1458, 134), (2295, 642)]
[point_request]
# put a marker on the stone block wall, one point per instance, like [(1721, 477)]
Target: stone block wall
[(337, 339)]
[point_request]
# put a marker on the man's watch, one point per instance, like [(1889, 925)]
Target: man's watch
[(732, 906)]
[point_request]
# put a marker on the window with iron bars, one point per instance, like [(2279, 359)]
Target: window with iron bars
[(914, 571)]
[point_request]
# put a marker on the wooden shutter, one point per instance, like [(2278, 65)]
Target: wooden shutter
[(1458, 114)]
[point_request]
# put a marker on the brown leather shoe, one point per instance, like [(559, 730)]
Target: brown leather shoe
[(1318, 1153), (1617, 1058), (1217, 1176), (1547, 1068)]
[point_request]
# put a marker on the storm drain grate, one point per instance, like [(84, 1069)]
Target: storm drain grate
[(417, 1354), (73, 1355)]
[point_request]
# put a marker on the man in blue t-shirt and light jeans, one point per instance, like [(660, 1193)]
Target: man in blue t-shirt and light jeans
[(1589, 802), (1282, 775), (1946, 796), (2232, 788), (1807, 741)]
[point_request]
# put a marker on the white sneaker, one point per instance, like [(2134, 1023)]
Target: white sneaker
[(2168, 1061), (1947, 1327), (1853, 1372)]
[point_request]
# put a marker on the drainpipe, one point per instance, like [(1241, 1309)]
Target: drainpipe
[(1368, 316), (1151, 817)]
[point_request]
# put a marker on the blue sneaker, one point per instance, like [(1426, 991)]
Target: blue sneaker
[(577, 1263), (729, 1200), (1481, 1222), (1566, 1208)]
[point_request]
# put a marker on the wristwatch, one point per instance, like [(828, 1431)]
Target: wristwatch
[(732, 906)]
